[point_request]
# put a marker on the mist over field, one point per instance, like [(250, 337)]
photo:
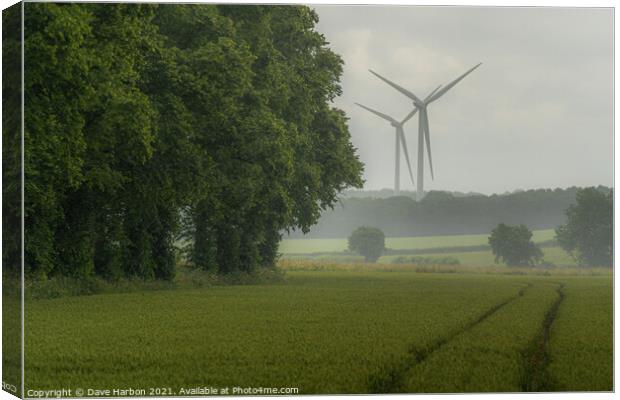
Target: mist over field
[(442, 213)]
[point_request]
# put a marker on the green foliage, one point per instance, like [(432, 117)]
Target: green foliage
[(514, 246), (367, 241), (149, 123), (185, 278), (588, 234), (11, 138)]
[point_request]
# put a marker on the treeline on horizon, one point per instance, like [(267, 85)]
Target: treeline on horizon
[(149, 125), (444, 213)]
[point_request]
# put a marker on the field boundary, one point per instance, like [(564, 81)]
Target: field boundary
[(415, 250), (392, 378), (536, 377)]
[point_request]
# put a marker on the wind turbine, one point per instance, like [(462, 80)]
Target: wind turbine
[(423, 126), (400, 138)]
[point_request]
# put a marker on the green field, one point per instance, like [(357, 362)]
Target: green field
[(332, 332), (587, 311), (466, 258), (306, 246), (334, 250), (485, 258)]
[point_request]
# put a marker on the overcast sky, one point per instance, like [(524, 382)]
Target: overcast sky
[(537, 113)]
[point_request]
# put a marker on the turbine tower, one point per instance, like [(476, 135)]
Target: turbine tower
[(423, 126), (400, 138)]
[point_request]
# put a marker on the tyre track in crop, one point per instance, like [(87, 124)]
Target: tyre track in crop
[(392, 378), (536, 359)]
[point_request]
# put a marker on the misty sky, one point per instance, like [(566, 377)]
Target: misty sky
[(537, 113)]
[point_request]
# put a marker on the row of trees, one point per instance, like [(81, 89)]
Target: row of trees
[(147, 125), (444, 213), (587, 234)]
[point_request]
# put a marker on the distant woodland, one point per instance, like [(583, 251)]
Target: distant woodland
[(444, 213)]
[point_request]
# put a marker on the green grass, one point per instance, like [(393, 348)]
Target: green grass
[(489, 357), (581, 344), (323, 332), (333, 250), (483, 258), (486, 258), (306, 246)]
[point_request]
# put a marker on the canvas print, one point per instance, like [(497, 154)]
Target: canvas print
[(253, 199)]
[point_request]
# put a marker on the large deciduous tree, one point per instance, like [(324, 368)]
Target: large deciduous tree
[(514, 246), (588, 234), (150, 123)]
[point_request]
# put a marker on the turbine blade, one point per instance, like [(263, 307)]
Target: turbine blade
[(401, 134), (409, 116), (427, 137), (451, 84), (397, 87), (412, 113), (432, 93), (380, 114)]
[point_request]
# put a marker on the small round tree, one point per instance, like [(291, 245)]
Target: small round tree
[(367, 241), (513, 245)]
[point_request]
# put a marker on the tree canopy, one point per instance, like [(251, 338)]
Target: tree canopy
[(588, 234), (367, 241), (149, 125), (514, 246)]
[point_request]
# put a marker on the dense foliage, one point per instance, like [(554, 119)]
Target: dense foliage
[(513, 245), (152, 125), (589, 233), (367, 241), (11, 141), (444, 213)]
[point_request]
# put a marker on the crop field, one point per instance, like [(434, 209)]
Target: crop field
[(483, 258), (459, 247), (508, 335), (306, 246), (583, 360), (554, 255), (333, 332)]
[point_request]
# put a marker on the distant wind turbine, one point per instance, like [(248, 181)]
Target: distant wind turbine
[(400, 138), (423, 126)]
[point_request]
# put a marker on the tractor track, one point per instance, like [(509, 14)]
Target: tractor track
[(392, 379), (536, 359)]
